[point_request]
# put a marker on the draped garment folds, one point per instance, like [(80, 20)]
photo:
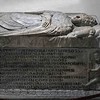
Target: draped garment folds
[(34, 23)]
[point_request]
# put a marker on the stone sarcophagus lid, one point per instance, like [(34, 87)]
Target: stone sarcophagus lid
[(49, 55)]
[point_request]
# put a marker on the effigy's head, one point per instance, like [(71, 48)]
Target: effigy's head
[(83, 20)]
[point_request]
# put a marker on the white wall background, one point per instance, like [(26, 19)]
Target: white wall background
[(86, 6)]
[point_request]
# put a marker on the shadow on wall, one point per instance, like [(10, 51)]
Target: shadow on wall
[(74, 6)]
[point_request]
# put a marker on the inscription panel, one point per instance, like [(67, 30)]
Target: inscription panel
[(43, 68)]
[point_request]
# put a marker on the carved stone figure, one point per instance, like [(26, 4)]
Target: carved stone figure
[(48, 29), (43, 22), (47, 23)]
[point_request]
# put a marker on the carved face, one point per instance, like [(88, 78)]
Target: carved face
[(83, 20)]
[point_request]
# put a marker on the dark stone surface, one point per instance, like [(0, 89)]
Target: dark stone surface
[(45, 41), (20, 66), (44, 68)]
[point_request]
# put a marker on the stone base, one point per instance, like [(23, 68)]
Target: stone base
[(44, 41), (45, 94)]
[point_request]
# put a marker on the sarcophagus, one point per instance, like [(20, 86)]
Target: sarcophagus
[(49, 55)]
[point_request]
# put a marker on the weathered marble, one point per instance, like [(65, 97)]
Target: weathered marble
[(48, 29), (57, 31)]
